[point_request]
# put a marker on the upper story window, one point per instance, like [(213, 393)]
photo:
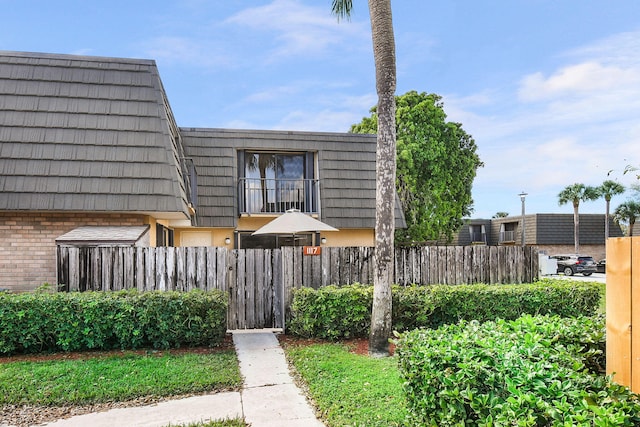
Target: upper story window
[(273, 182), (477, 233), (508, 232)]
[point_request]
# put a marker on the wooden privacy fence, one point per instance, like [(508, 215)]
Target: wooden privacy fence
[(260, 281)]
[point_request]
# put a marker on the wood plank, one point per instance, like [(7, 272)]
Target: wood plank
[(267, 304), (140, 268), (288, 278), (618, 309), (259, 287), (211, 266), (191, 270), (201, 268), (635, 314), (325, 265), (118, 269), (73, 270), (278, 290), (170, 274), (250, 288), (232, 286), (181, 269), (241, 288), (106, 269), (150, 269)]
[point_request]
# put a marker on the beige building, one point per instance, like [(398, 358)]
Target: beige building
[(90, 144)]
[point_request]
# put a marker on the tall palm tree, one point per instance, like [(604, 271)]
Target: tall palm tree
[(608, 189), (384, 54), (628, 212), (575, 194)]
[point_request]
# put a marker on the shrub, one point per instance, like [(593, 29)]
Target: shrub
[(331, 312), (534, 370), (44, 321), (335, 312)]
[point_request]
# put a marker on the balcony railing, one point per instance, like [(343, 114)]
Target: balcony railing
[(256, 195), (507, 236), (478, 237)]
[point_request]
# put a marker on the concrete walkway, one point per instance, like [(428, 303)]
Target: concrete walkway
[(269, 396)]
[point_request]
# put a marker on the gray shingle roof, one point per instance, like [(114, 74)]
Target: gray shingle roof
[(87, 133), (346, 172), (110, 235)]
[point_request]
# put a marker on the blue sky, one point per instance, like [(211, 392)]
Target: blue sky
[(550, 90)]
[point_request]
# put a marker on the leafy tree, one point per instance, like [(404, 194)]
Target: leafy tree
[(575, 194), (436, 165), (500, 215), (384, 55), (627, 213), (608, 189)]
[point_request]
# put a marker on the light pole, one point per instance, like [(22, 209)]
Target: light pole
[(522, 197)]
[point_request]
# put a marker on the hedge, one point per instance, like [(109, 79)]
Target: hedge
[(45, 322), (540, 371), (334, 312)]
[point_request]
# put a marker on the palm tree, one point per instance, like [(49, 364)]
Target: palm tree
[(384, 54), (608, 189), (575, 194), (628, 212)]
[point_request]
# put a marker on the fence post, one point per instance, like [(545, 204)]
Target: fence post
[(619, 303)]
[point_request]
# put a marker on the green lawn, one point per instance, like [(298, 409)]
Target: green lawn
[(116, 378), (349, 389)]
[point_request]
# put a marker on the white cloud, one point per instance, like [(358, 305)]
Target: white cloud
[(580, 79), (186, 50), (301, 29)]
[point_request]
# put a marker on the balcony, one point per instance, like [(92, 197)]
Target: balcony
[(276, 196), (507, 237), (478, 237)]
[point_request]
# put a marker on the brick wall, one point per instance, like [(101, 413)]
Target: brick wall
[(28, 248)]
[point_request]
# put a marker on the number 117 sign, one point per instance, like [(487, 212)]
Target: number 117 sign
[(311, 250)]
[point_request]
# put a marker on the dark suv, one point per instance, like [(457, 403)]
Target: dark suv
[(574, 264)]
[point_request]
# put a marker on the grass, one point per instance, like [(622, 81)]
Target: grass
[(116, 378), (354, 390), (350, 389)]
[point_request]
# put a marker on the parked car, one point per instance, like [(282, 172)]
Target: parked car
[(601, 266), (574, 264)]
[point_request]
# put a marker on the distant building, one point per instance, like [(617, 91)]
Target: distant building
[(550, 233)]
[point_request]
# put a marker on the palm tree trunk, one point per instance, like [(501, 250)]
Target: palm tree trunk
[(385, 63), (576, 229), (606, 221)]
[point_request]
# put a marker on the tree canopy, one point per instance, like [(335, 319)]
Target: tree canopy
[(436, 166)]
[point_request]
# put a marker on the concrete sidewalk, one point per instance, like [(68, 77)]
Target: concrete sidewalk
[(269, 396)]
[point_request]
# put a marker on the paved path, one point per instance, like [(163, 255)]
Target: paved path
[(269, 396)]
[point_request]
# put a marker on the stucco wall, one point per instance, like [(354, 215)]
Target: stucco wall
[(28, 248)]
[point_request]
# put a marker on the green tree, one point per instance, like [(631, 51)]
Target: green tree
[(608, 189), (436, 165), (500, 215), (575, 194), (627, 213), (384, 55)]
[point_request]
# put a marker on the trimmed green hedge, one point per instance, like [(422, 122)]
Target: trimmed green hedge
[(333, 312), (42, 321), (540, 371)]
